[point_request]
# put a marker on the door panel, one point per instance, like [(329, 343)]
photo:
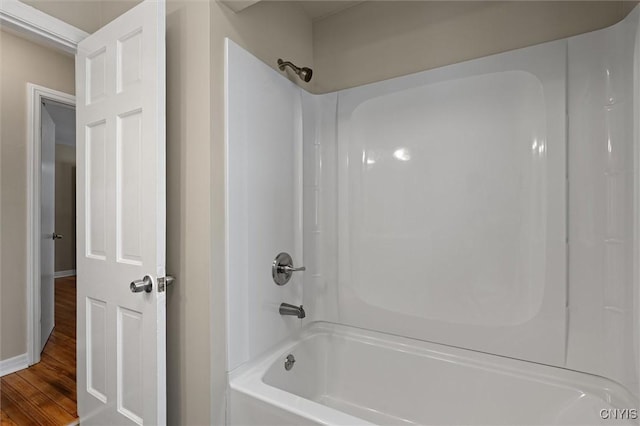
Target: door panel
[(121, 219), (96, 157), (47, 220)]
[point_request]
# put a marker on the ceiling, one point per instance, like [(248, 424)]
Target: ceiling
[(317, 9), (314, 9), (64, 117)]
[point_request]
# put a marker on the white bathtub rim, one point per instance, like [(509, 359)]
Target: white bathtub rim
[(297, 405), (249, 377)]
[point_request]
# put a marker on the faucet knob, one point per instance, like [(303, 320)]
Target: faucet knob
[(282, 268)]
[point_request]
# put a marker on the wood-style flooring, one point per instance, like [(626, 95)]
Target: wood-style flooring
[(45, 393)]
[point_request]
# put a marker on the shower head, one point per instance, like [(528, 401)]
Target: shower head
[(304, 73)]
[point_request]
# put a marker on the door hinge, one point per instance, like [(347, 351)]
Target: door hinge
[(164, 282)]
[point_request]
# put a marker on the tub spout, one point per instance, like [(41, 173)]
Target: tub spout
[(287, 309)]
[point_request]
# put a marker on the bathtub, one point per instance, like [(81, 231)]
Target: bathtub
[(348, 376)]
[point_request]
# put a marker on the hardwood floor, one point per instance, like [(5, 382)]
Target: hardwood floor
[(45, 393)]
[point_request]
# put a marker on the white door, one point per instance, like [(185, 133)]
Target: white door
[(120, 89), (47, 224)]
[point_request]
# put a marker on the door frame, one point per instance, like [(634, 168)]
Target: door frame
[(35, 96), (37, 26)]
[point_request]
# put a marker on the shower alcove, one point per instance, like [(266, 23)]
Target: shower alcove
[(470, 237)]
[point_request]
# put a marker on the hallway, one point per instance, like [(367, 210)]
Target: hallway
[(45, 393)]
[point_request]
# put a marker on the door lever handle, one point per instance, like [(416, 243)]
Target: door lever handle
[(145, 284), (55, 236)]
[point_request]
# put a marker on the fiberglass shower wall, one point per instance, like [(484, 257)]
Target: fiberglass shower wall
[(487, 205), (603, 196), (450, 205), (490, 205)]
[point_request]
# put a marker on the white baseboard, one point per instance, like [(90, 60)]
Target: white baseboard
[(62, 274), (11, 365)]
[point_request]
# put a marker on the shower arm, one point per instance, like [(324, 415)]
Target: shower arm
[(304, 73), (282, 64)]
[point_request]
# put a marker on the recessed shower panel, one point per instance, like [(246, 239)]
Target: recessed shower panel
[(451, 205)]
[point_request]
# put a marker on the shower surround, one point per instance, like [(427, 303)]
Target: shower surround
[(469, 236)]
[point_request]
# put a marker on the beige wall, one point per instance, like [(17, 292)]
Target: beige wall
[(20, 62), (65, 221), (377, 40), (188, 213)]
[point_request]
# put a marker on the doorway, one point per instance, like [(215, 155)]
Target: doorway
[(51, 133), (46, 391), (57, 212)]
